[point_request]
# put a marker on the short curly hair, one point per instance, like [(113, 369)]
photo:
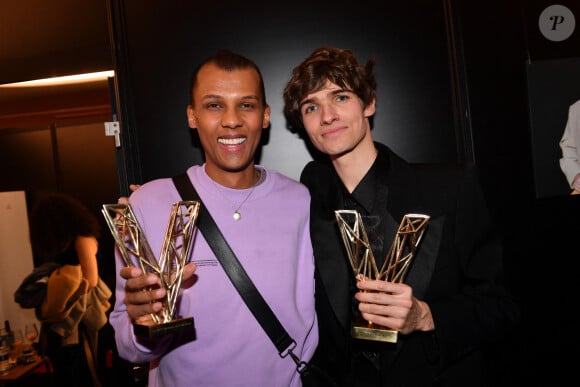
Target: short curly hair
[(229, 61), (336, 65)]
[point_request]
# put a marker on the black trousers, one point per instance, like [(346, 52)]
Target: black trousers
[(69, 362)]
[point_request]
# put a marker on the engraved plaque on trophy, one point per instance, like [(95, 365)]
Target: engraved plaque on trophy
[(176, 247), (364, 266)]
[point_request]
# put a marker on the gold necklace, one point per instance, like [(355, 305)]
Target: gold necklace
[(237, 214)]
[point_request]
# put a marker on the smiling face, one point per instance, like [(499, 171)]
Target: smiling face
[(337, 122), (229, 114)]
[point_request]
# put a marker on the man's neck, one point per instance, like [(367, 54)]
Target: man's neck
[(242, 179), (351, 167)]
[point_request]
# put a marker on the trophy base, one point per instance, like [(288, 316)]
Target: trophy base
[(162, 328), (374, 334)]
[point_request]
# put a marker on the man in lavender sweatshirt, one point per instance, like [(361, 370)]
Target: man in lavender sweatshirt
[(265, 218)]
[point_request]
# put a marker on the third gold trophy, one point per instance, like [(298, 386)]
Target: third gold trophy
[(364, 266)]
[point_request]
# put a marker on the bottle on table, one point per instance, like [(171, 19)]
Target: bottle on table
[(4, 353), (9, 333)]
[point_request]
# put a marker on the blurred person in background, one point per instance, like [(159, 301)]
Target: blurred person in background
[(68, 295)]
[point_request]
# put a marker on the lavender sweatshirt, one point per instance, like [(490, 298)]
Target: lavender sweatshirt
[(272, 241)]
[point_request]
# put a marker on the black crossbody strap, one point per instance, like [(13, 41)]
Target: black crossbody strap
[(237, 274)]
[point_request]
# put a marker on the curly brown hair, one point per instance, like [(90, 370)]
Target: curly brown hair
[(336, 65)]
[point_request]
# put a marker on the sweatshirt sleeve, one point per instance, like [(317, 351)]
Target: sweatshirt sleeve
[(131, 348)]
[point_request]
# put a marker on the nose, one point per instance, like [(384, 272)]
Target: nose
[(328, 114), (231, 118)]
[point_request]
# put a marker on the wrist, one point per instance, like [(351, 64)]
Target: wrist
[(426, 323)]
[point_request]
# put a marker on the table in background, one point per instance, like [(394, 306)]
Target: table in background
[(15, 375)]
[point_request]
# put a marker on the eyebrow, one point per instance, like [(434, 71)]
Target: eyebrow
[(255, 97), (217, 96)]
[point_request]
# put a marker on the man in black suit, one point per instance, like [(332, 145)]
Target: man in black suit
[(452, 304)]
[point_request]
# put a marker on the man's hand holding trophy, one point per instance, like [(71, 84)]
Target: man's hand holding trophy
[(363, 263), (168, 266)]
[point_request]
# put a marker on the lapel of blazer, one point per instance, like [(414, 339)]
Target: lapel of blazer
[(419, 275), (331, 260), (423, 263), (405, 193)]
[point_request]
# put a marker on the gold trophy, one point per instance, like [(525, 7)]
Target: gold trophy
[(364, 266), (135, 249)]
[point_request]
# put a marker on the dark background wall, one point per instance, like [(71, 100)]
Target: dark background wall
[(157, 58)]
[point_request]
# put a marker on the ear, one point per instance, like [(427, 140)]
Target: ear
[(266, 118), (191, 120), (370, 108)]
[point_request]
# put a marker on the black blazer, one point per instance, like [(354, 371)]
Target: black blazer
[(457, 271)]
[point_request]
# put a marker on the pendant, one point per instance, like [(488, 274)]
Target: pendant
[(237, 216)]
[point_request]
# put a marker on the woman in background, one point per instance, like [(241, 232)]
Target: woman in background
[(64, 231)]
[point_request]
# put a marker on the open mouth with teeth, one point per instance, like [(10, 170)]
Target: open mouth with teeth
[(232, 141)]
